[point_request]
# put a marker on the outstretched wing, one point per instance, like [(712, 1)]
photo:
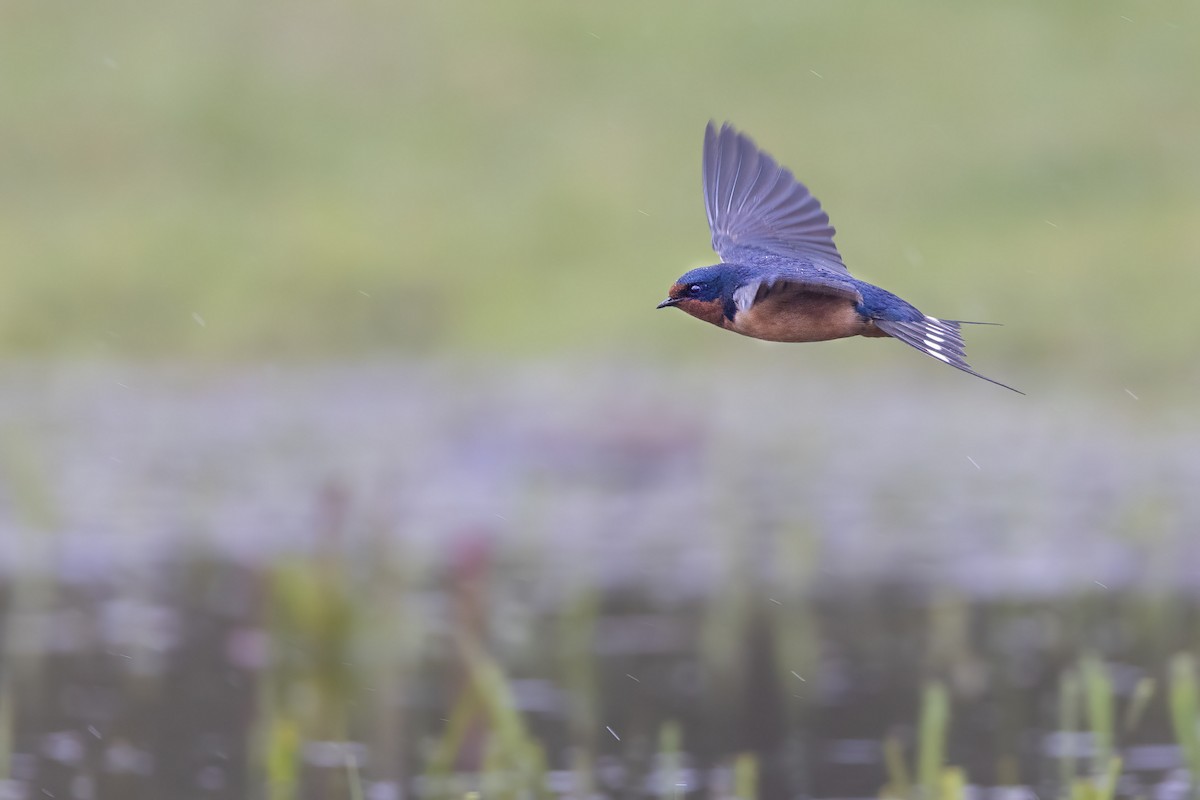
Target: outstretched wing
[(752, 202), (939, 338)]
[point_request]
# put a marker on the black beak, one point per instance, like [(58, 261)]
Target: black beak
[(670, 301)]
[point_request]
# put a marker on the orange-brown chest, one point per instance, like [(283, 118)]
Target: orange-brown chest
[(808, 317)]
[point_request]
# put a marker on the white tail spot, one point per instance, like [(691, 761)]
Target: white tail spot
[(941, 356), (932, 345), (938, 325)]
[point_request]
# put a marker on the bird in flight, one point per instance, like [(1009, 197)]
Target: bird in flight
[(781, 277)]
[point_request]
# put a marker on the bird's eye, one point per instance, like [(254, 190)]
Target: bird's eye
[(695, 288)]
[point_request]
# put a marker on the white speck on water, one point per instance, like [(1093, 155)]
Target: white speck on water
[(614, 733), (1048, 222), (126, 386), (125, 656), (593, 35), (1101, 585), (115, 460), (110, 62), (93, 731), (797, 674), (643, 213), (364, 294), (1127, 19), (635, 680), (973, 463), (819, 75), (776, 602), (199, 320), (1131, 394)]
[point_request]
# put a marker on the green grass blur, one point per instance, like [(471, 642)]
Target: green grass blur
[(227, 180)]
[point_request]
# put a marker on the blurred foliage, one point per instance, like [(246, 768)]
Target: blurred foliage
[(1185, 712), (229, 180), (1100, 702), (931, 737)]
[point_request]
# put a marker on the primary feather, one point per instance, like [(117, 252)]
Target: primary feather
[(755, 204)]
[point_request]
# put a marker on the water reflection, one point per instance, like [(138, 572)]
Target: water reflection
[(126, 711), (406, 581)]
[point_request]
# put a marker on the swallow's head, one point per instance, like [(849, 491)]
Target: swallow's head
[(701, 293)]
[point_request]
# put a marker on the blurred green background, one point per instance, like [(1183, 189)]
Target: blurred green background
[(228, 181)]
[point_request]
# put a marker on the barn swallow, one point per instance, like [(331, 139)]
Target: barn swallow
[(781, 277)]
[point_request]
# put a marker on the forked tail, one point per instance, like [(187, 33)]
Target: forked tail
[(937, 338)]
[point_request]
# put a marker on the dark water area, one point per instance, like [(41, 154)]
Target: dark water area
[(398, 581), (169, 694)]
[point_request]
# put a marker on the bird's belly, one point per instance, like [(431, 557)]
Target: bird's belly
[(812, 318)]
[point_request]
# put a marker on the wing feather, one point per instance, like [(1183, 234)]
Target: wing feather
[(752, 202)]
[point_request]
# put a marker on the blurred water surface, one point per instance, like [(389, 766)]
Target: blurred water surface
[(227, 582)]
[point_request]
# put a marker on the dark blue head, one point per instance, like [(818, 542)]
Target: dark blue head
[(704, 293), (704, 284)]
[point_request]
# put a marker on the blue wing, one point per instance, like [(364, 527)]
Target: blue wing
[(754, 204), (791, 285)]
